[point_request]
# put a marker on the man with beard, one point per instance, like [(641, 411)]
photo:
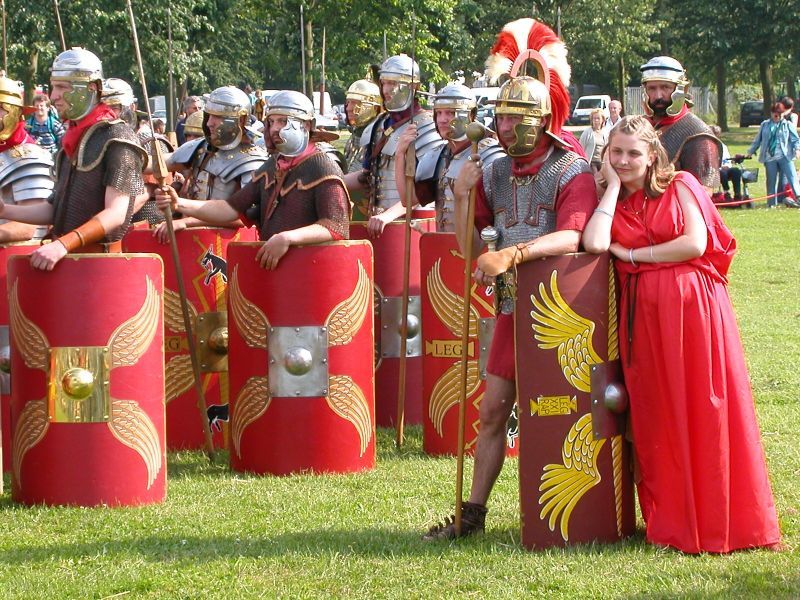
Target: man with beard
[(540, 177), (690, 144), (98, 169), (299, 191), (454, 107)]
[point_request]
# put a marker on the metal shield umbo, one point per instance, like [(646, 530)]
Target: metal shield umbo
[(301, 350), (389, 249), (87, 360), (202, 252), (575, 478)]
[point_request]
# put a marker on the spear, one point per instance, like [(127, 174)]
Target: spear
[(5, 53), (60, 28), (160, 172), (475, 133), (411, 167)]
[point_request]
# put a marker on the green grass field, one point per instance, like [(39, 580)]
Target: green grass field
[(221, 535)]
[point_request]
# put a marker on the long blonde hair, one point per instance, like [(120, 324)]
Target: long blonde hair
[(658, 175)]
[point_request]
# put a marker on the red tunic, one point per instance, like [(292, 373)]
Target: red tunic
[(704, 484)]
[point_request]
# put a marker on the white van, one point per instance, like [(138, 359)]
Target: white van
[(585, 106)]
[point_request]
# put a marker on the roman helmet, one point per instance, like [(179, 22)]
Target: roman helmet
[(118, 94), (367, 96), (194, 124), (232, 105), (665, 68), (457, 97), (539, 97), (11, 101), (79, 68), (403, 72), (298, 110)]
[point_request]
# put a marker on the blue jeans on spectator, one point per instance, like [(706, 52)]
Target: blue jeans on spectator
[(785, 168)]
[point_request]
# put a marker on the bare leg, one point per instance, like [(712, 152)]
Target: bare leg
[(490, 452)]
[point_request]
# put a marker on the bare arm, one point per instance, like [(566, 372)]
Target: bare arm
[(40, 213), (355, 181), (406, 139), (690, 244), (216, 212), (275, 247), (597, 234)]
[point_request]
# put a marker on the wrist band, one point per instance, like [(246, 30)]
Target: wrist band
[(630, 257), (604, 211), (88, 233)]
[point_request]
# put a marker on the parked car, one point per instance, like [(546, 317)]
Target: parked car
[(752, 113), (584, 107)]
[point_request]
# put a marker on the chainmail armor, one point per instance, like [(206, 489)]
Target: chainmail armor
[(108, 155), (525, 209), (311, 192), (692, 147)]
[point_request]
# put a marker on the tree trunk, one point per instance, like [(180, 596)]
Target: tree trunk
[(621, 82), (722, 88), (29, 75), (765, 72), (309, 57), (791, 89)]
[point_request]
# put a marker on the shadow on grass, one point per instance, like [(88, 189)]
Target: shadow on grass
[(369, 543)]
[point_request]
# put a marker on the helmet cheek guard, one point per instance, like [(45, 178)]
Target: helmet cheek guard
[(80, 101), (294, 138), (227, 135), (8, 124)]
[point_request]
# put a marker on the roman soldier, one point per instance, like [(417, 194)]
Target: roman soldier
[(362, 106), (690, 143), (98, 171), (454, 107), (399, 83), (24, 165), (538, 198), (299, 191), (223, 161)]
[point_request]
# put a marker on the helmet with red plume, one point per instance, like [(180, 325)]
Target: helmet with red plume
[(544, 94)]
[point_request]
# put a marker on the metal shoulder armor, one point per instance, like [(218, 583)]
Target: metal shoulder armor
[(427, 136), (430, 165), (335, 155), (240, 162), (27, 169), (184, 155), (369, 131)]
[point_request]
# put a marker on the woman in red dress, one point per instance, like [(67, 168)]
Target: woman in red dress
[(703, 483)]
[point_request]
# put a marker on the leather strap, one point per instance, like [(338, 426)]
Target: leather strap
[(88, 233)]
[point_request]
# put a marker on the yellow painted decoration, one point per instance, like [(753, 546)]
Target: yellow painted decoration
[(447, 349), (561, 327), (252, 401), (564, 485), (551, 406)]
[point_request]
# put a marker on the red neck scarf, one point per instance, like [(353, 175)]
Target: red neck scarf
[(531, 163), (76, 129), (285, 163), (658, 123), (20, 136)]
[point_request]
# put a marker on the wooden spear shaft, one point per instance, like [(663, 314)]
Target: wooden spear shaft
[(160, 171), (475, 133)]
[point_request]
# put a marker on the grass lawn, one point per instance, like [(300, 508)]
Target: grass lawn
[(221, 535)]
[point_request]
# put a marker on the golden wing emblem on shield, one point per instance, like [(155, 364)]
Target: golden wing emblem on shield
[(32, 345), (128, 422), (30, 340), (250, 320), (564, 485), (447, 391), (447, 305), (252, 401), (132, 338), (178, 376), (348, 401), (347, 317), (562, 328), (173, 315), (131, 426), (31, 427)]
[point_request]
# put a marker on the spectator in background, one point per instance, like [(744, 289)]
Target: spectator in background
[(191, 104), (594, 139), (159, 127), (614, 115), (789, 113), (260, 106), (729, 173), (778, 145), (43, 126)]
